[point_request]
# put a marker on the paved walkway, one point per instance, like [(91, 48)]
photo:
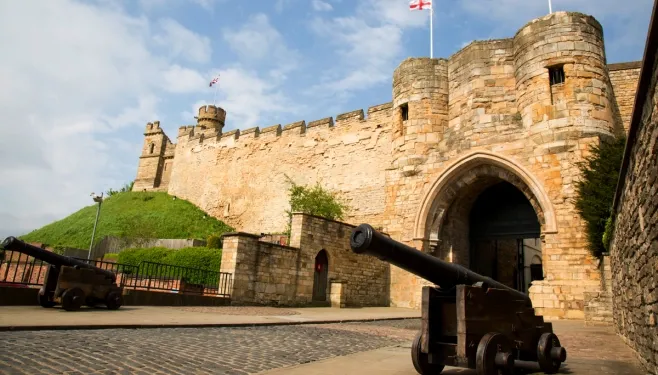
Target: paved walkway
[(32, 317), (364, 348)]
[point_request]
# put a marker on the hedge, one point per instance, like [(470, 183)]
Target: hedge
[(189, 257)]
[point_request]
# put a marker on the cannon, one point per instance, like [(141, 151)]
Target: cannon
[(69, 281), (467, 320)]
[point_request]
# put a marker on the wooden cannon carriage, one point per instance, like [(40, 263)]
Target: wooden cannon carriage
[(469, 320), (71, 282)]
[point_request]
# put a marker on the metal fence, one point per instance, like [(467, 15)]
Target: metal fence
[(18, 269)]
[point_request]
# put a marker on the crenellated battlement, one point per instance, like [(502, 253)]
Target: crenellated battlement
[(153, 128), (191, 133)]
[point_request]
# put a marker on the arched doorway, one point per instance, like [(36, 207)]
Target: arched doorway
[(503, 235), (444, 221), (320, 278)]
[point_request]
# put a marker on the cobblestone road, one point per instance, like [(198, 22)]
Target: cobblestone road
[(190, 350)]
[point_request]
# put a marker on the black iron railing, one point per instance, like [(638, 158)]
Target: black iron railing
[(17, 269), (158, 276), (21, 269)]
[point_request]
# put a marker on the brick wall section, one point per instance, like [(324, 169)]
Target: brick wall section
[(598, 305), (634, 248), (267, 273), (624, 77)]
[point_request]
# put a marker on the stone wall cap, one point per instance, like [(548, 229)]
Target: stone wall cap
[(239, 234), (625, 65)]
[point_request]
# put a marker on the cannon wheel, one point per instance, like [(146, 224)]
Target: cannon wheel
[(113, 300), (44, 300), (494, 355), (420, 360), (550, 354), (72, 299)]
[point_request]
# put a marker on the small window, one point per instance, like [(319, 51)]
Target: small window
[(556, 75), (404, 108), (151, 148)]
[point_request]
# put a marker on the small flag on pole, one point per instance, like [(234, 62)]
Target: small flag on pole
[(423, 5), (212, 82)]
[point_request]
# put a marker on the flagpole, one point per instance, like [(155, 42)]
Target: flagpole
[(214, 99), (432, 32), (550, 7)]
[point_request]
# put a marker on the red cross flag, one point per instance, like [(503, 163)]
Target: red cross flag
[(420, 4)]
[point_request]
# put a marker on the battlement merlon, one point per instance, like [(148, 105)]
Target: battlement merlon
[(192, 132), (153, 128)]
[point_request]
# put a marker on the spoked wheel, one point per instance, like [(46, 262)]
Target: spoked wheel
[(495, 355), (72, 299), (45, 300), (550, 354), (420, 360), (113, 301)]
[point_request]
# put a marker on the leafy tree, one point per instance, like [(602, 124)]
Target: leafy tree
[(314, 201), (595, 191), (125, 188)]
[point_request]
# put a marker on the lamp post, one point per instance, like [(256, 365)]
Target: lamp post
[(99, 200)]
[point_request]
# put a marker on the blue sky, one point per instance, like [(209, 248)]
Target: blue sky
[(82, 78)]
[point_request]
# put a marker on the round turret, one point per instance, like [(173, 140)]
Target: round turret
[(562, 83), (420, 102), (211, 117)]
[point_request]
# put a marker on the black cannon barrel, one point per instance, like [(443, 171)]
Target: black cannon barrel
[(13, 243), (366, 240)]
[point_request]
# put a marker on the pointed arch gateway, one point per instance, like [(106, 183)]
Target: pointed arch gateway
[(488, 213), (320, 276)]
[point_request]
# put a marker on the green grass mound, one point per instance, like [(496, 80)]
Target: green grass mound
[(131, 215)]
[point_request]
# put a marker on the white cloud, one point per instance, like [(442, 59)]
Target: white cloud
[(183, 43), (67, 87), (248, 99), (369, 45), (258, 43), (178, 79), (321, 6)]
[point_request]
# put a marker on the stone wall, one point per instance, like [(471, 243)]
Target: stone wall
[(598, 305), (624, 77), (112, 244), (634, 247), (240, 176), (267, 273)]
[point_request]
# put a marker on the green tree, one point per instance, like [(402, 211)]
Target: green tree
[(314, 200), (125, 188), (596, 189)]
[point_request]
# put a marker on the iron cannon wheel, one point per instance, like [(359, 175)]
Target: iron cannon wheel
[(44, 300), (420, 360), (72, 299), (495, 355), (550, 354), (113, 300)]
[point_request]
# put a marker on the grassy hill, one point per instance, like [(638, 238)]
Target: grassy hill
[(131, 214)]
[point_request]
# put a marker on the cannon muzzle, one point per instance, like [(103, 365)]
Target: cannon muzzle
[(366, 240), (14, 244)]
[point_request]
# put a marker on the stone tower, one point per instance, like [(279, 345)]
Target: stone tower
[(210, 117), (562, 82), (155, 163)]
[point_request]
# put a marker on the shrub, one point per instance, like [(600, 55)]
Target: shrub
[(214, 242), (111, 257), (314, 201), (595, 191), (190, 257)]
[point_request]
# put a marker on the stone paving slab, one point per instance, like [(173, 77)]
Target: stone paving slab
[(376, 347), (36, 317)]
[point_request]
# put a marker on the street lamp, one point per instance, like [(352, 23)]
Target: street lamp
[(99, 200)]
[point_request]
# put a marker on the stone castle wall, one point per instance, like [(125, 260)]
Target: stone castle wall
[(624, 77), (267, 273), (414, 166), (240, 176), (634, 247)]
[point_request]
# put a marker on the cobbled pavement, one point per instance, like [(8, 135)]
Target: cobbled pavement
[(243, 350)]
